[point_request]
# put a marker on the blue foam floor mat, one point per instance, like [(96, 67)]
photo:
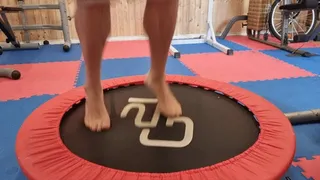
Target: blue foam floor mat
[(290, 95), (113, 68), (47, 53), (311, 64), (10, 125), (206, 48)]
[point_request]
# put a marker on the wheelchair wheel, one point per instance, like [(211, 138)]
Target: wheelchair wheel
[(302, 22)]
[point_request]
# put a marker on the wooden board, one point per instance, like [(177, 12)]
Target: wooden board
[(127, 17)]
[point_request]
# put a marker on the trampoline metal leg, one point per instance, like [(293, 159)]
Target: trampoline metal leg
[(304, 117)]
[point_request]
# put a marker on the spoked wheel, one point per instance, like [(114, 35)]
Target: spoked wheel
[(302, 22)]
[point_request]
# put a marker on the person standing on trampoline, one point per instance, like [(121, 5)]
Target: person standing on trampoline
[(93, 25)]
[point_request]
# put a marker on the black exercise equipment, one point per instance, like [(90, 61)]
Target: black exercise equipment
[(308, 23), (25, 27), (8, 31), (231, 23), (297, 7), (64, 26), (300, 6), (315, 34), (286, 10)]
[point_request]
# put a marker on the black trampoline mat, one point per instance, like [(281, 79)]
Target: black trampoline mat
[(222, 129)]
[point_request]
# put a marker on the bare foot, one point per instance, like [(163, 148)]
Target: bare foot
[(168, 105), (96, 115)]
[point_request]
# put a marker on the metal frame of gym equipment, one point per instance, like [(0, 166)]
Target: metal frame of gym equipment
[(5, 27), (315, 35), (284, 44), (288, 8), (64, 27), (209, 37)]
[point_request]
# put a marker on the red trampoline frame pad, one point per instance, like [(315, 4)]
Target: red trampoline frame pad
[(43, 156)]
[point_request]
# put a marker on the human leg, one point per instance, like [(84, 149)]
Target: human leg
[(93, 26), (159, 23)]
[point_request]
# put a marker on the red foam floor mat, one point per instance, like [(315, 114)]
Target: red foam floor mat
[(310, 167), (126, 49), (39, 79), (245, 41), (242, 66)]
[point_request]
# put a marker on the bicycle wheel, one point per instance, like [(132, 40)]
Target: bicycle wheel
[(302, 22)]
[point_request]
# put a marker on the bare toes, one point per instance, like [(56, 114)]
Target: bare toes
[(171, 109), (97, 125), (88, 124), (102, 126), (105, 125)]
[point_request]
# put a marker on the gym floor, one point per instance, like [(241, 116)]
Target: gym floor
[(291, 83)]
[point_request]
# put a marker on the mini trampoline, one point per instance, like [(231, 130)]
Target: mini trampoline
[(225, 133)]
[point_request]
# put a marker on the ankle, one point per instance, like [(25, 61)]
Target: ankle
[(156, 77), (93, 91)]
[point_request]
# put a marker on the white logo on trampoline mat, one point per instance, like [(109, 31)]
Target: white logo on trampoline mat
[(139, 103)]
